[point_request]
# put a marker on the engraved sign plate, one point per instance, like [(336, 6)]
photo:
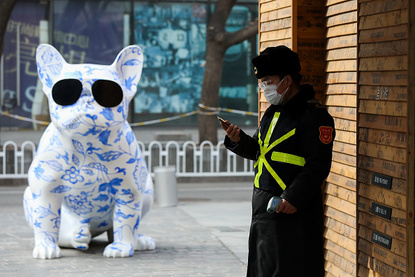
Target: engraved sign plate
[(382, 211), (381, 180), (381, 239)]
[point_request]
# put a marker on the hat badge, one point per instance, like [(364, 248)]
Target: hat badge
[(255, 70)]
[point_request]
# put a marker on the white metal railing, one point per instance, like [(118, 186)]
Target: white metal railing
[(14, 160), (189, 159)]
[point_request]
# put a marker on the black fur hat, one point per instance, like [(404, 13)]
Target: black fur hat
[(279, 60)]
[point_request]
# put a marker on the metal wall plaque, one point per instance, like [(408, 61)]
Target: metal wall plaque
[(380, 210), (382, 239), (381, 180)]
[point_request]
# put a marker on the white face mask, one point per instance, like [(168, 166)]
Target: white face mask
[(270, 92)]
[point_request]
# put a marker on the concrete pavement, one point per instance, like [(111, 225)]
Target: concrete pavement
[(205, 235)]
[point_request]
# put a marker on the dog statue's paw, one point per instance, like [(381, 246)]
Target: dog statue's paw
[(119, 250), (43, 252), (81, 238), (145, 243)]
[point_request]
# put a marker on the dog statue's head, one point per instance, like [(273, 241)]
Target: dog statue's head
[(87, 97)]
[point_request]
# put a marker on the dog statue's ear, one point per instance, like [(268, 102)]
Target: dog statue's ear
[(49, 65), (128, 65)]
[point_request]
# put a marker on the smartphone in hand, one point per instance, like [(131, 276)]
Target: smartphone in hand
[(223, 121)]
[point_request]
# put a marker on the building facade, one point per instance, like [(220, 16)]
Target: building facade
[(361, 56)]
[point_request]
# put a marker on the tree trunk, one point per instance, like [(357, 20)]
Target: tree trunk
[(6, 7), (210, 91)]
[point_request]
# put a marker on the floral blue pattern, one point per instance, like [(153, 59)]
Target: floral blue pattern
[(73, 175), (89, 175)]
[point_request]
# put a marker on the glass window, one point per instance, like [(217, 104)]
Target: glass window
[(173, 37), (239, 84), (18, 73), (89, 31)]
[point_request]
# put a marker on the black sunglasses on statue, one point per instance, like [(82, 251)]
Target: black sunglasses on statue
[(107, 93)]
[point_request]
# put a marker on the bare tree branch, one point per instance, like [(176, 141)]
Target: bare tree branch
[(242, 34)]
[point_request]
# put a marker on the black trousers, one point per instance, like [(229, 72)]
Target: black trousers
[(282, 245)]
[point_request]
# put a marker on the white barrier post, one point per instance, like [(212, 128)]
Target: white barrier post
[(165, 186)]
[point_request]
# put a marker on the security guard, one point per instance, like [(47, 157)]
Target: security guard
[(293, 150)]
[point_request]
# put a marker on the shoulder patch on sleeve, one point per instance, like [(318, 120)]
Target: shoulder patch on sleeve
[(326, 134)]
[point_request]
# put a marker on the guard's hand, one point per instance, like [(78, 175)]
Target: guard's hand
[(232, 131), (286, 208), (225, 126)]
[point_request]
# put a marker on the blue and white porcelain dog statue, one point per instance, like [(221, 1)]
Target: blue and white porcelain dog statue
[(88, 176)]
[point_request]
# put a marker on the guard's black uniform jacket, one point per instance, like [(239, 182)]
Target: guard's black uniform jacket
[(293, 150)]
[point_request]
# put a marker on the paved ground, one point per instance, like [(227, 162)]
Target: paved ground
[(205, 235)]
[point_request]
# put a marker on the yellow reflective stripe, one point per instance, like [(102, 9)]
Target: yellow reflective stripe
[(271, 128), (287, 158), (260, 163), (258, 174), (259, 137), (281, 139), (286, 136), (275, 175)]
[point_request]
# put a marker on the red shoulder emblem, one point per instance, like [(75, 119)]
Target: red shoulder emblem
[(326, 134)]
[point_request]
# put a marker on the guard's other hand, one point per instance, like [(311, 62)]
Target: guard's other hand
[(286, 208)]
